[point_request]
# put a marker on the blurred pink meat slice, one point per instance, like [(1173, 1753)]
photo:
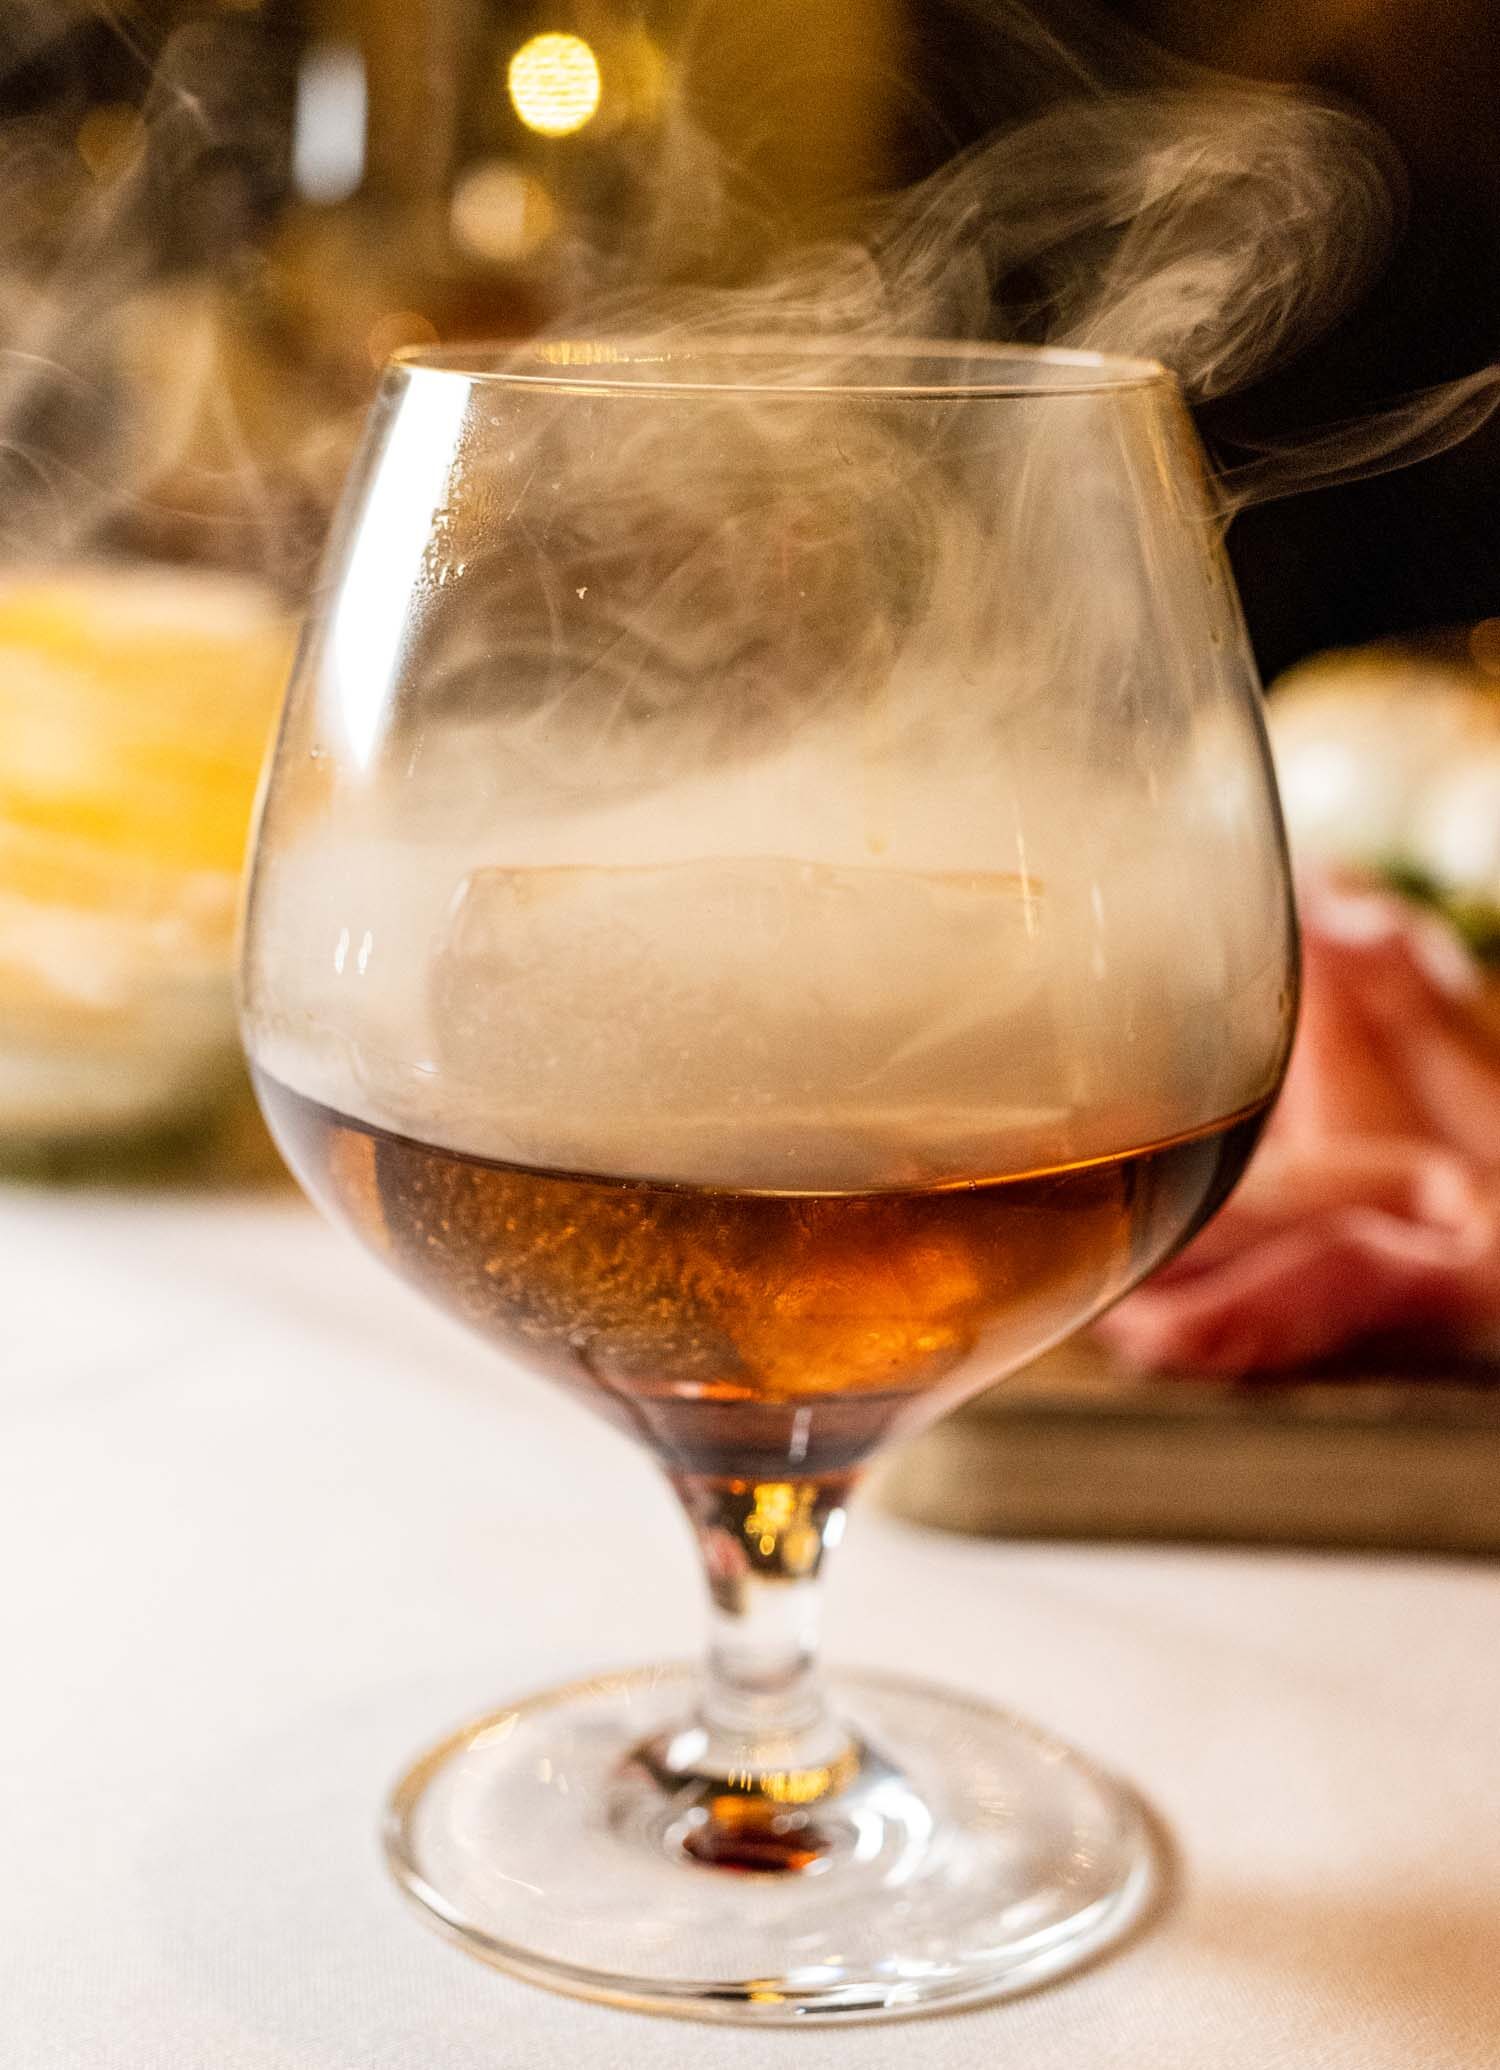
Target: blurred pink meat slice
[(1373, 1207)]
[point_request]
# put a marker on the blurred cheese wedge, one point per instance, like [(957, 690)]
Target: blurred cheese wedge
[(135, 703)]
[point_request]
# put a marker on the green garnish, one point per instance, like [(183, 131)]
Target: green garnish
[(1476, 921)]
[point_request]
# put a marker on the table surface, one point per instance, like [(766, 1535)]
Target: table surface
[(269, 1527)]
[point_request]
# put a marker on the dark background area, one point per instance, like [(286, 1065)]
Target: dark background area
[(1403, 551)]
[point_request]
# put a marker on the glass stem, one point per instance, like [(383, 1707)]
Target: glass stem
[(764, 1775), (763, 1711)]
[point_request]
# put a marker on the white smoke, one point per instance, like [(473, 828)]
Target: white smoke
[(780, 784), (143, 409), (1129, 202), (840, 787)]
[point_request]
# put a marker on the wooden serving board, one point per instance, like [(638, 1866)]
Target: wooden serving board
[(1077, 1447)]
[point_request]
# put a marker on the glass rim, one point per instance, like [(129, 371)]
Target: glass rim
[(613, 366)]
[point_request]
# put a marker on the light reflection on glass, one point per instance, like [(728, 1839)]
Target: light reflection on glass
[(367, 636)]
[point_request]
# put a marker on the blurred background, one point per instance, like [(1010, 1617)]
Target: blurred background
[(304, 185), (220, 220)]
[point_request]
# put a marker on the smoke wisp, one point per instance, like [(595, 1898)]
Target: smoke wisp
[(1136, 205), (142, 410)]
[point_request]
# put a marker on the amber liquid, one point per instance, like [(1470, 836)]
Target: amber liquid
[(760, 1334)]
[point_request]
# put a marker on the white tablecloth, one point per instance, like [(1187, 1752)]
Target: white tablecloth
[(269, 1526)]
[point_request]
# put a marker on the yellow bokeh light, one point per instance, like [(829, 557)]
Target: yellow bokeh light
[(554, 84), (500, 212)]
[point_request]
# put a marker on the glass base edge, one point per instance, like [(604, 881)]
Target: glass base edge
[(1118, 1914)]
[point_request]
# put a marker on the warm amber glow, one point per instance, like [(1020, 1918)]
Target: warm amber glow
[(1484, 646), (111, 139), (781, 1522), (782, 1786), (398, 328), (776, 1503), (500, 212), (580, 352), (554, 84)]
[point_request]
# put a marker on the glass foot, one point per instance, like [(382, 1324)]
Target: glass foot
[(953, 1854)]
